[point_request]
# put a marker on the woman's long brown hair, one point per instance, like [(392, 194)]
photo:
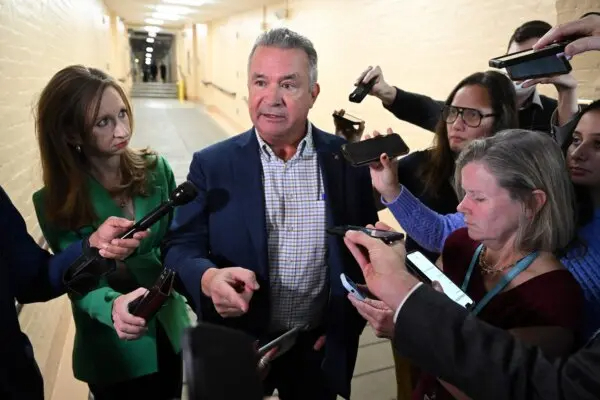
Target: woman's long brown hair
[(439, 168), (66, 111)]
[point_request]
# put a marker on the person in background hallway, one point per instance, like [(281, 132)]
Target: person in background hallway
[(30, 274), (84, 125), (163, 72), (536, 111), (252, 250), (153, 71)]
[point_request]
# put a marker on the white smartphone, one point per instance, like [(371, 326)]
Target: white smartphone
[(428, 272), (351, 287)]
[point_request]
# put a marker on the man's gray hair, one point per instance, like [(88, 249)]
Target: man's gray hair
[(285, 38)]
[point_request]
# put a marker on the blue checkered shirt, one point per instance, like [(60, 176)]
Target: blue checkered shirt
[(296, 222)]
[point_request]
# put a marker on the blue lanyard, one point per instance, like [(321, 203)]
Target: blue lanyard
[(516, 270)]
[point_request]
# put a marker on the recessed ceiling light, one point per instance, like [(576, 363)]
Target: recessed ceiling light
[(152, 34), (153, 21), (149, 49), (150, 40), (167, 17), (173, 9), (152, 28), (193, 3)]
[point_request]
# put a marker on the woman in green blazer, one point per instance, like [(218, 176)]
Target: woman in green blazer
[(84, 126)]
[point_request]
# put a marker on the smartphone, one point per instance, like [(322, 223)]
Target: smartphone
[(283, 342), (352, 288), (362, 90), (530, 64), (386, 236), (215, 356), (368, 151), (348, 119), (428, 272)]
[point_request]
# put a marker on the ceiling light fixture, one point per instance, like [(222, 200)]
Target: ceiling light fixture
[(148, 56), (167, 17), (153, 21), (149, 49), (173, 9), (152, 28), (152, 34), (150, 40), (192, 3)]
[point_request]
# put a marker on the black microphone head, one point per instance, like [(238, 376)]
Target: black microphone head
[(183, 194)]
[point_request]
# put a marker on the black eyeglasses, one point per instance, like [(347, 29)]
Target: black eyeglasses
[(470, 116)]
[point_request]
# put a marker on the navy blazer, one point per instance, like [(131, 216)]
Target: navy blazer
[(225, 226), (28, 274)]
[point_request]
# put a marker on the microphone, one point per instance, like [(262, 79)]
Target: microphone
[(85, 272), (183, 194)]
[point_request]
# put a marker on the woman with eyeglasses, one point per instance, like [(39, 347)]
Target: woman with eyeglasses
[(480, 105)]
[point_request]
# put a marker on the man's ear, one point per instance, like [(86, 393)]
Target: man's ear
[(314, 93)]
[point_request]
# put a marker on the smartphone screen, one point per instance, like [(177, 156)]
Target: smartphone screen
[(427, 269), (546, 66)]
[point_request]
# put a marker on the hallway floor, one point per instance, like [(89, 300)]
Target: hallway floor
[(176, 130)]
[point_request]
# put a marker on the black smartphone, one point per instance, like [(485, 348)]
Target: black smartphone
[(214, 357), (530, 64), (428, 272), (283, 343), (362, 90), (347, 119), (386, 236), (368, 151)]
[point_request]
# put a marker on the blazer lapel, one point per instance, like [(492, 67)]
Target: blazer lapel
[(332, 169), (247, 174)]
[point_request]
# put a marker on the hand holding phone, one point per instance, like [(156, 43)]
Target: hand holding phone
[(387, 237), (362, 90), (283, 343), (352, 288), (531, 64), (370, 150)]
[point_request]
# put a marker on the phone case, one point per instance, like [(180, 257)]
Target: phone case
[(361, 91), (148, 305), (368, 151), (519, 57)]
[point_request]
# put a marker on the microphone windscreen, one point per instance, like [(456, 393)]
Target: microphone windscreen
[(184, 193)]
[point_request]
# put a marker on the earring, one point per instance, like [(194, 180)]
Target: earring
[(78, 148)]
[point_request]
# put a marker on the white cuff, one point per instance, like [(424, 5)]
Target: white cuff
[(404, 300)]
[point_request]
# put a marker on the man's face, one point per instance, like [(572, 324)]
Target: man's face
[(280, 94)]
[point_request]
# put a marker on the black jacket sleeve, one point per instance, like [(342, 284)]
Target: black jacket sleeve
[(486, 362)]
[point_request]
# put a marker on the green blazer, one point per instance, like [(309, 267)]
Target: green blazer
[(99, 356)]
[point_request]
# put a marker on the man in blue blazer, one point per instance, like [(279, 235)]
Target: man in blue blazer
[(252, 250), (30, 274)]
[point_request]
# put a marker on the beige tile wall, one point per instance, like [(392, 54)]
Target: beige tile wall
[(37, 38)]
